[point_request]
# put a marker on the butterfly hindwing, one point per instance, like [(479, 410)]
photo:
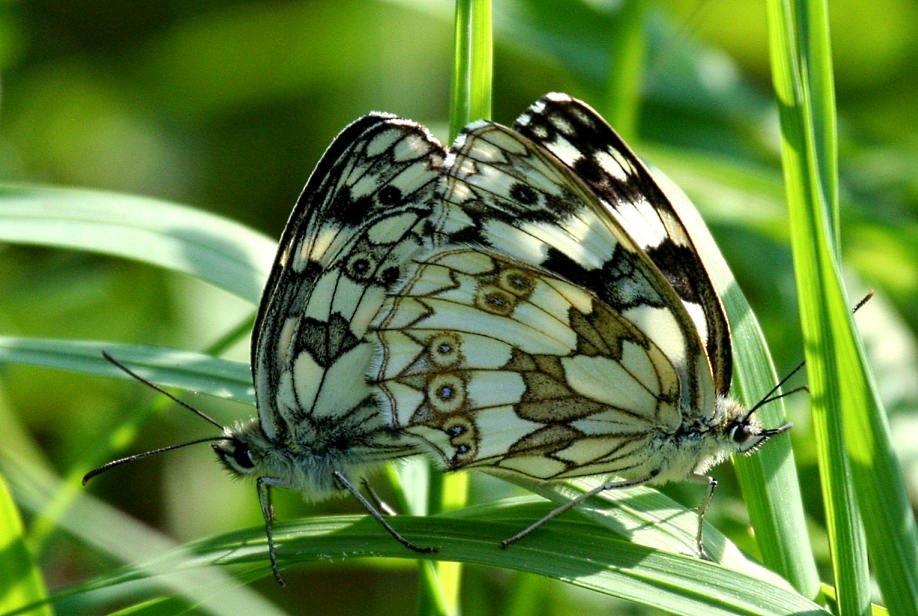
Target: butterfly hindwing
[(499, 365), (354, 227)]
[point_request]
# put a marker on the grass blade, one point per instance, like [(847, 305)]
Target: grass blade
[(212, 248), (859, 471), (768, 479), (21, 582)]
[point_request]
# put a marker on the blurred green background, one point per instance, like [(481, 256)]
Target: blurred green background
[(227, 105)]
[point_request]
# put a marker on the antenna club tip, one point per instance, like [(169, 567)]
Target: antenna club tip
[(93, 473)]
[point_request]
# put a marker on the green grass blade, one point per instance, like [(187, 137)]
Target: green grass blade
[(806, 199), (166, 367), (623, 93), (109, 531), (187, 370), (647, 517), (567, 549), (161, 606), (212, 248), (21, 582), (768, 478), (470, 98), (859, 471)]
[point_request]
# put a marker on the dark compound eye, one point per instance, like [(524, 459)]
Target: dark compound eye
[(242, 457), (740, 433)]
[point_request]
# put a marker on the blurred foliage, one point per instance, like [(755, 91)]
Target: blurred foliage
[(227, 105)]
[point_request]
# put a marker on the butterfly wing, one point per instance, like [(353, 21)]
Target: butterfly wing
[(582, 140), (506, 193), (500, 365), (350, 234)]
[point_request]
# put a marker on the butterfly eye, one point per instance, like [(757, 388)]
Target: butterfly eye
[(242, 456), (236, 455), (740, 433)]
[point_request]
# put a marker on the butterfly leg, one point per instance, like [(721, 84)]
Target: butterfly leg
[(702, 508), (383, 507), (267, 510), (609, 485), (378, 516)]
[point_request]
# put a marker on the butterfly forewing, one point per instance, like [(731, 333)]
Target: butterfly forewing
[(582, 140), (353, 229), (506, 193)]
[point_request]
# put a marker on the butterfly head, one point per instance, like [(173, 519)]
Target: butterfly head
[(241, 451), (246, 451), (748, 434), (733, 429)]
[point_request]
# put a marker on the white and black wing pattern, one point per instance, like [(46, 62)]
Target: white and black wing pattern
[(560, 323), (507, 194), (536, 335), (498, 365), (355, 225), (352, 233), (581, 139)]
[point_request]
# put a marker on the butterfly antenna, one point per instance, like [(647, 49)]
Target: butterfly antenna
[(863, 301), (156, 387), (770, 397), (140, 456)]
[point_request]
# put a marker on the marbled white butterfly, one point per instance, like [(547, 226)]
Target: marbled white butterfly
[(355, 226), (528, 304), (560, 322)]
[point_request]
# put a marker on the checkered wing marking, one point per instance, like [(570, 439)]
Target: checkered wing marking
[(580, 138), (503, 192), (503, 366), (352, 231)]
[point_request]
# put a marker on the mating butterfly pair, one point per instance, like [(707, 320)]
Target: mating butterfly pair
[(527, 302)]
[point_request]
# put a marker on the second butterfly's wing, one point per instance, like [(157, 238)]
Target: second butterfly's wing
[(352, 231), (498, 365), (581, 139), (503, 192)]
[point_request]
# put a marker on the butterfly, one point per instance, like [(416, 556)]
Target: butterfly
[(352, 232), (356, 224), (526, 303), (559, 322)]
